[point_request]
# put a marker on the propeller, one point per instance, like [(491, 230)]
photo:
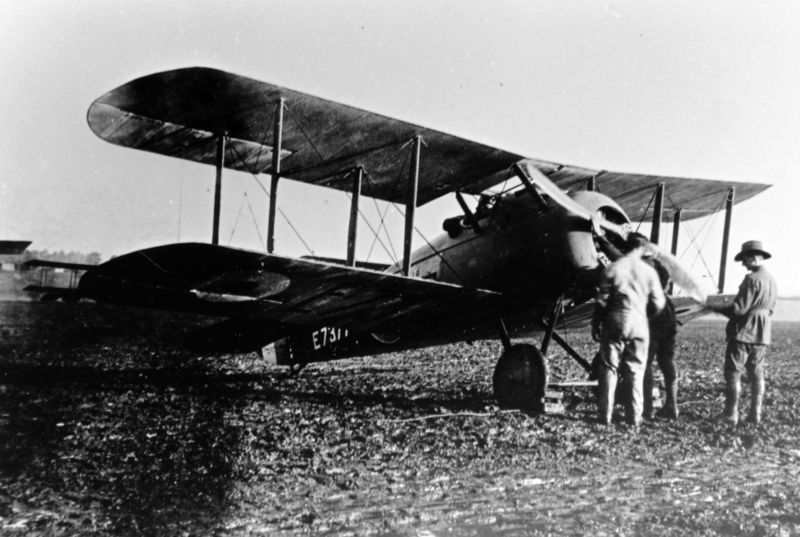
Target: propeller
[(681, 276), (547, 186)]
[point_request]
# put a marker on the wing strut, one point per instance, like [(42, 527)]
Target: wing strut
[(676, 228), (358, 177), (411, 204), (658, 209), (277, 143), (726, 232), (218, 187)]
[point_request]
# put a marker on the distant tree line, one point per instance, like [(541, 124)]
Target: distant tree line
[(92, 258)]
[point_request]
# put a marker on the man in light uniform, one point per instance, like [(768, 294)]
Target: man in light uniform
[(620, 322), (748, 332)]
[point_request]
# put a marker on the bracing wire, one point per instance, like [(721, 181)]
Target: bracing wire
[(255, 220), (382, 224), (283, 214), (299, 236), (246, 199), (694, 238), (376, 234), (290, 115), (649, 203), (706, 223), (699, 248), (236, 221), (433, 249)]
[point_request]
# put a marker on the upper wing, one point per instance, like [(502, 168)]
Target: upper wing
[(181, 113), (285, 294), (634, 191)]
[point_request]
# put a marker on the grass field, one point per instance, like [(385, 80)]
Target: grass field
[(107, 427)]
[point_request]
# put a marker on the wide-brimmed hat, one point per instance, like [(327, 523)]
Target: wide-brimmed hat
[(752, 247)]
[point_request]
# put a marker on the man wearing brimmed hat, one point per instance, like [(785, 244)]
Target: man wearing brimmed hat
[(748, 332)]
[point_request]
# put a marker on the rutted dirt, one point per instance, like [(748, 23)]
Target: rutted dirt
[(105, 432)]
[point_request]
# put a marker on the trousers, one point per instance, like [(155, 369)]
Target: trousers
[(626, 353)]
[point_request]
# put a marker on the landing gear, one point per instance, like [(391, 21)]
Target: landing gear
[(521, 374), (520, 378)]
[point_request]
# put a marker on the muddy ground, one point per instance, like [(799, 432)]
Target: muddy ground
[(105, 432)]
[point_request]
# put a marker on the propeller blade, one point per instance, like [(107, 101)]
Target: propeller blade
[(678, 273), (555, 193), (681, 276)]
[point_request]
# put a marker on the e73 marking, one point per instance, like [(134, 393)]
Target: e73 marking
[(327, 335)]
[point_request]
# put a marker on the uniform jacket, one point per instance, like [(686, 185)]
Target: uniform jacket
[(752, 308), (628, 286)]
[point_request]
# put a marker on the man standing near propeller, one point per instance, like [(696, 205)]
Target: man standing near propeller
[(663, 329), (748, 332), (628, 286)]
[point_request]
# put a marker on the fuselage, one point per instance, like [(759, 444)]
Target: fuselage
[(532, 253), (519, 247)]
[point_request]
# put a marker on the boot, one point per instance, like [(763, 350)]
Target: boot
[(732, 390), (633, 409), (670, 410), (756, 399), (647, 404), (606, 390)]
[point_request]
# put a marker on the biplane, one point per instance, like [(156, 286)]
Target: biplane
[(51, 288), (518, 262)]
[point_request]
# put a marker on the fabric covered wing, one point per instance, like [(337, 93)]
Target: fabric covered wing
[(286, 294), (634, 191), (181, 113)]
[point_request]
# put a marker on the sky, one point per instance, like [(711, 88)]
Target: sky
[(704, 89)]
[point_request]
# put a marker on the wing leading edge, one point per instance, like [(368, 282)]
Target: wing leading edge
[(181, 113)]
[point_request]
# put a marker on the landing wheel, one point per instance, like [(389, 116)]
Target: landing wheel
[(520, 378)]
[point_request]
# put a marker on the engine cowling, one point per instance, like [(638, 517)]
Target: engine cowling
[(521, 246), (580, 249)]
